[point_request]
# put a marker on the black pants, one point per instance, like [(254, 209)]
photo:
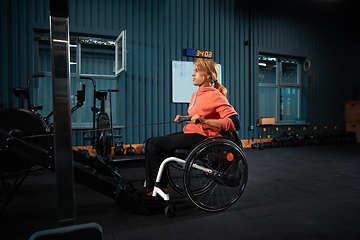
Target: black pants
[(157, 148)]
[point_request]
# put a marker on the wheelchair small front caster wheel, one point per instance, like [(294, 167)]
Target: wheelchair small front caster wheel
[(170, 211)]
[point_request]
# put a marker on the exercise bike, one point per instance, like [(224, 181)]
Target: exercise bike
[(22, 94), (103, 139)]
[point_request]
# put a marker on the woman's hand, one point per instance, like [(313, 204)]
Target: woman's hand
[(197, 119), (177, 118), (211, 122)]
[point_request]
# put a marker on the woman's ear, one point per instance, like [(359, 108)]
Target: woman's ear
[(208, 77)]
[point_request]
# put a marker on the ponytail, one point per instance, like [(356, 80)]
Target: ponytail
[(220, 87)]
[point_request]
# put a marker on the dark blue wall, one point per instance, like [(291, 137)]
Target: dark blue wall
[(159, 30)]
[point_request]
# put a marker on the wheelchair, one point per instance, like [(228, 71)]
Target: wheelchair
[(213, 174)]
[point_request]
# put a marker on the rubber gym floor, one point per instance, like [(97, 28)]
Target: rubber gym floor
[(308, 192)]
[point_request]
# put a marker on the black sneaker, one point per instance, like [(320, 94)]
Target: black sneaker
[(146, 196), (145, 191)]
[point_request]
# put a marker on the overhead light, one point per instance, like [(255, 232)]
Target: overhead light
[(262, 64)]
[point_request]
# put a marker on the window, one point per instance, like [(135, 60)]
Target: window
[(92, 57), (120, 53), (279, 88)]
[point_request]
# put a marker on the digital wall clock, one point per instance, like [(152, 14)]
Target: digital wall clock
[(197, 53)]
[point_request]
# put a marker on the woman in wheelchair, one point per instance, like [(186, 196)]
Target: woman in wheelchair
[(211, 114)]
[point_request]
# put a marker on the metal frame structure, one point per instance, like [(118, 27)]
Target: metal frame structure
[(60, 49)]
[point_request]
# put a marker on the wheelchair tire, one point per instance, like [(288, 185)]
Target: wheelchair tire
[(226, 182)]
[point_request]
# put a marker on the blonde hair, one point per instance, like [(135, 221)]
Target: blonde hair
[(210, 68)]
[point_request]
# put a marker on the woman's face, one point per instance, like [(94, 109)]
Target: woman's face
[(199, 78)]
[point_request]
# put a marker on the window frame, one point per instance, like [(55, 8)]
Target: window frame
[(121, 39), (77, 74), (280, 84)]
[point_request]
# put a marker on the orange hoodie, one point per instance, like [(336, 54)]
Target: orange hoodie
[(209, 103)]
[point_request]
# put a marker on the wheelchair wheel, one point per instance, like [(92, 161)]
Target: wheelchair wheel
[(219, 168)]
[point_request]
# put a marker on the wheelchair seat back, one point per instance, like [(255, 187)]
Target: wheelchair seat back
[(232, 136)]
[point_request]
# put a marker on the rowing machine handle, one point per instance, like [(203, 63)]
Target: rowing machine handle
[(184, 119)]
